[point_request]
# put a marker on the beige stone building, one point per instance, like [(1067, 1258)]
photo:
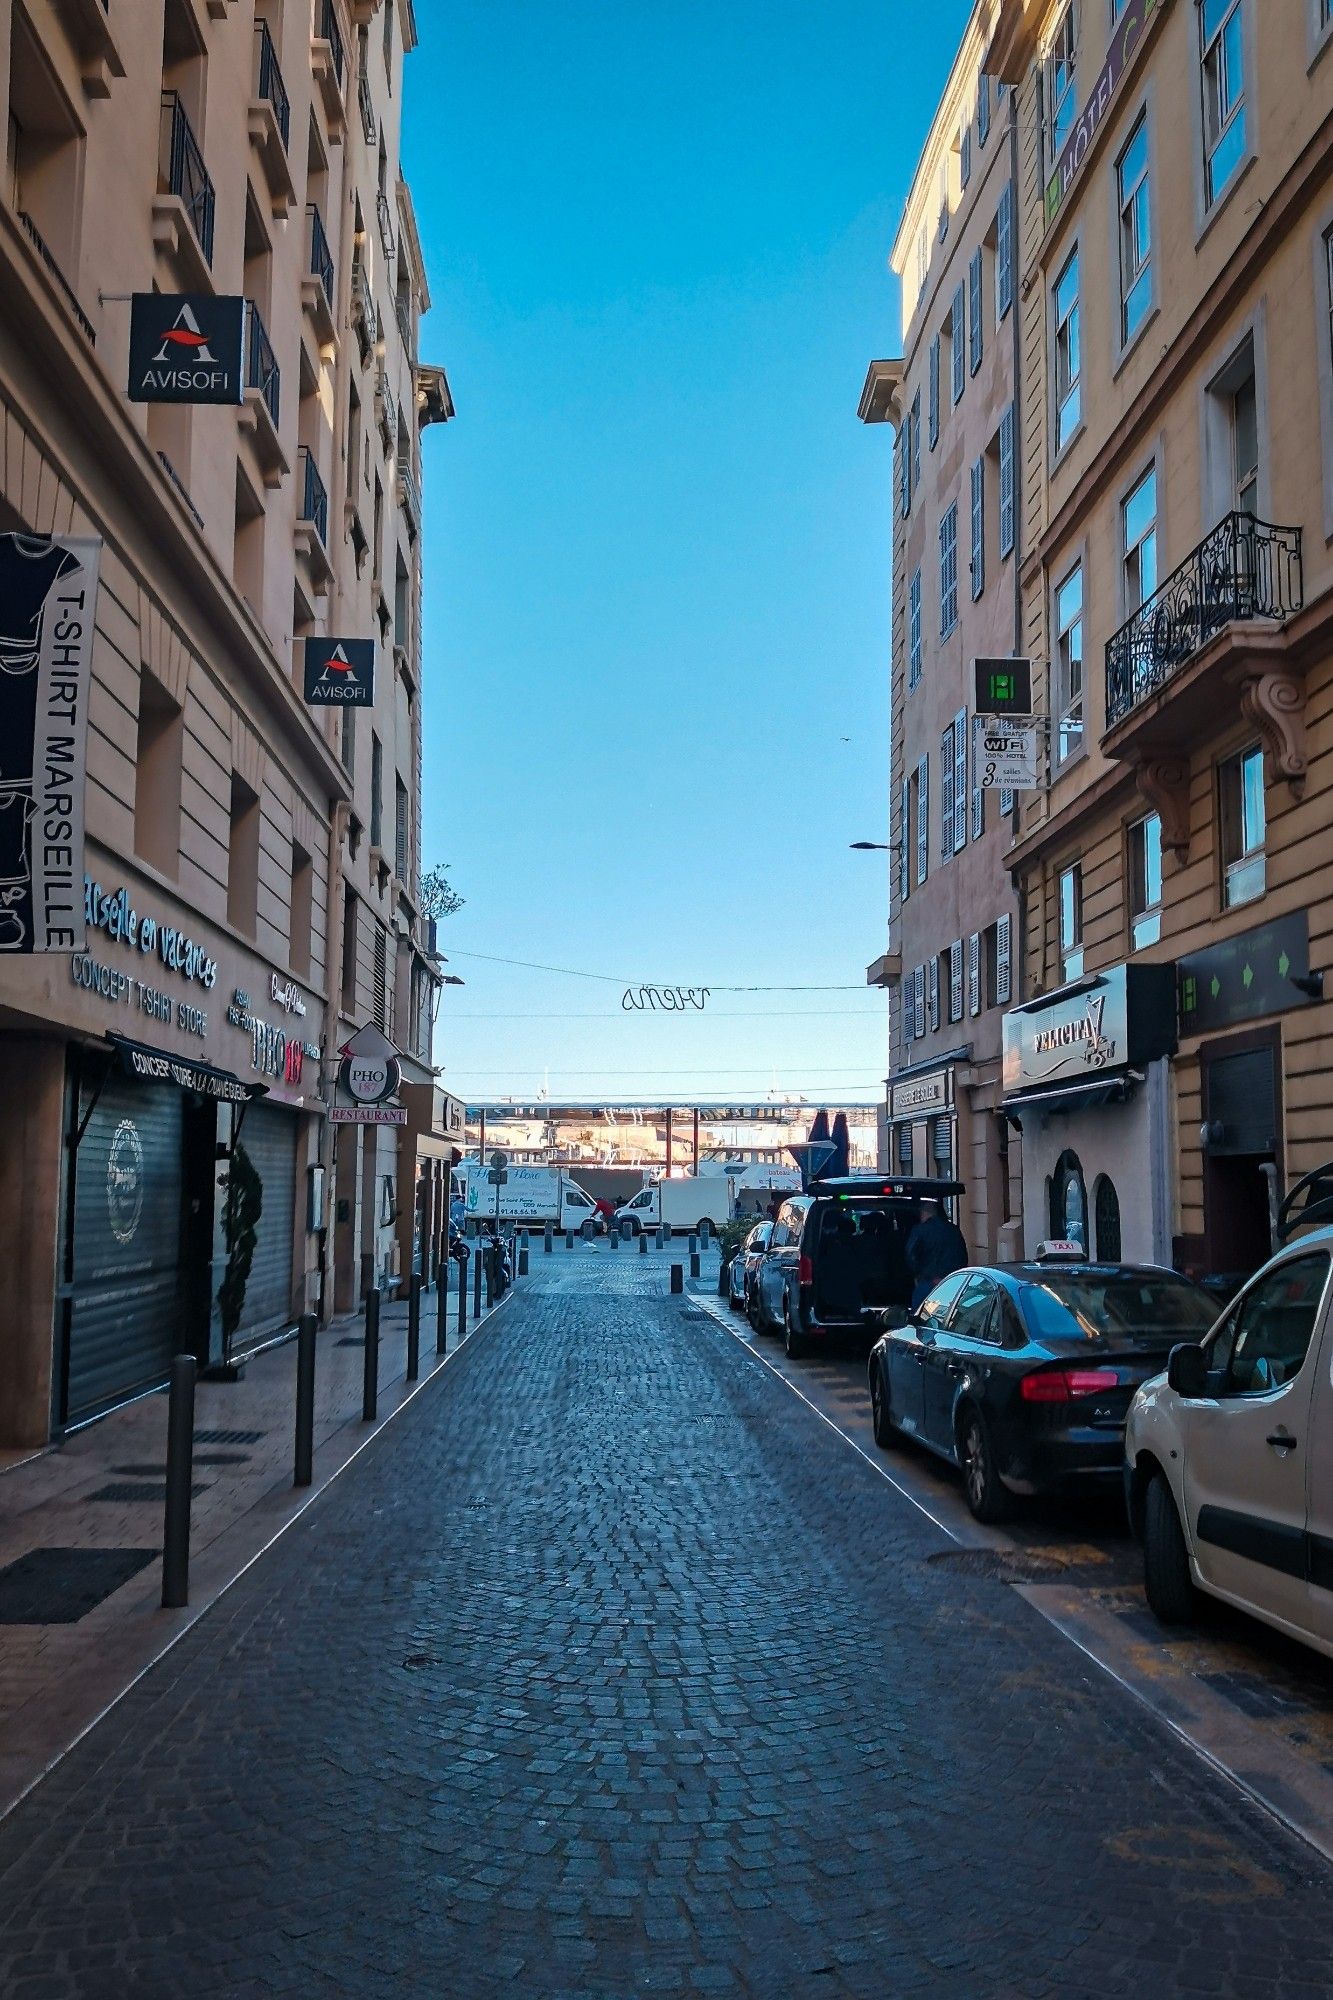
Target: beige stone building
[(253, 862), (1169, 1065), (956, 524)]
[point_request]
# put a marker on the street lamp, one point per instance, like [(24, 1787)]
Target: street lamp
[(870, 847)]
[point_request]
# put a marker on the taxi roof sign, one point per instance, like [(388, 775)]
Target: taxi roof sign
[(1061, 1250)]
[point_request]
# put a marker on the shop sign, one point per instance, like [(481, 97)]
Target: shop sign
[(1002, 686), (111, 911), (124, 1181), (120, 989), (1247, 976), (186, 349), (48, 602), (919, 1095), (1099, 1025), (1133, 22), (368, 1114), (340, 673), (1006, 755), (159, 1066), (287, 994), (272, 1051)]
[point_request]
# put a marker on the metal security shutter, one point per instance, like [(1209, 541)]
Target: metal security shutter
[(1242, 1102), (126, 1312), (268, 1134)]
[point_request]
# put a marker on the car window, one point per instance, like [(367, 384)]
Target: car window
[(757, 1238), (1266, 1335), (577, 1200), (1155, 1307), (1007, 1327), (972, 1312), (935, 1305)]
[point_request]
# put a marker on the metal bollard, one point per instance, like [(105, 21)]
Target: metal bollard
[(523, 1256), (414, 1327), (677, 1278), (478, 1266), (305, 1401), (180, 1478), (569, 1239), (490, 1254), (627, 1230), (694, 1263), (706, 1234), (661, 1237), (442, 1306), (643, 1243), (694, 1244), (462, 1299), (615, 1239), (370, 1379), (549, 1239)]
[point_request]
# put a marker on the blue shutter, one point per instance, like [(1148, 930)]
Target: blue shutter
[(960, 761), (1007, 482), (946, 793), (978, 566), (974, 329), (934, 398), (958, 336), (1004, 253)]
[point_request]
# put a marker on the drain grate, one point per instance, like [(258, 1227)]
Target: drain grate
[(352, 1340), (199, 1458), (228, 1437), (125, 1490), (60, 1586)]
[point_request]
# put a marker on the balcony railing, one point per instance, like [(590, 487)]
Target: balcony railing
[(385, 214), (39, 244), (183, 173), (269, 86), (1243, 569), (369, 123), (364, 316), (321, 257), (314, 494), (261, 364), (403, 312), (331, 33)]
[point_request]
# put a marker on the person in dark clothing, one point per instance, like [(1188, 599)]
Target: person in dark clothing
[(934, 1248)]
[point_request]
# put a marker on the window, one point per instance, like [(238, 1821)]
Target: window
[(243, 857), (934, 387), (1222, 33), (904, 447), (376, 792), (914, 629), (1263, 1342), (983, 110), (947, 794), (922, 819), (1004, 252), (1106, 1216), (1004, 977), (965, 154), (157, 777), (1071, 921), (957, 332), (919, 1003), (1068, 362), (934, 1308), (978, 558), (960, 780), (915, 434), (974, 333), (300, 911), (388, 38), (949, 571), (1138, 530), (974, 974), (1058, 80), (956, 980), (1241, 787), (933, 995), (1069, 1205), (1007, 482), (1069, 663), (1135, 232), (401, 831), (351, 941), (904, 840), (971, 1315), (1245, 446), (1145, 882), (905, 1148)]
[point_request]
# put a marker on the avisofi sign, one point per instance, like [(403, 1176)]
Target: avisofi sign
[(339, 673), (1134, 22), (186, 349)]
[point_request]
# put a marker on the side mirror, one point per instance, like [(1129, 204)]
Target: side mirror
[(1187, 1370)]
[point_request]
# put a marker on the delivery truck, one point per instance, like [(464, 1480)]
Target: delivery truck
[(681, 1205), (529, 1198)]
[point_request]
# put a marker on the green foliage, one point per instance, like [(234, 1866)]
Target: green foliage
[(732, 1234), (439, 898), (243, 1207)]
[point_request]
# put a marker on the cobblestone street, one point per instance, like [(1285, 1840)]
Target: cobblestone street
[(609, 1669)]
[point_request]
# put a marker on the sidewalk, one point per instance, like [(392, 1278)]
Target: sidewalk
[(81, 1618)]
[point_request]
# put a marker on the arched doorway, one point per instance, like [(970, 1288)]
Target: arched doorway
[(1069, 1201), (1106, 1217)]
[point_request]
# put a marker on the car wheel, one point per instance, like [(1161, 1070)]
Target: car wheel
[(795, 1342), (754, 1310), (1167, 1582), (881, 1417), (982, 1487)]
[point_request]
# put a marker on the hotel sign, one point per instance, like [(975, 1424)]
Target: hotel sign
[(1133, 23), (920, 1094)]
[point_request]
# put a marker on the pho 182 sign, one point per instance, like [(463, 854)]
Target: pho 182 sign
[(48, 601), (340, 672), (186, 350)]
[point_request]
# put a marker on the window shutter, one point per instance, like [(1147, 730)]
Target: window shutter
[(956, 980), (919, 1003), (905, 840), (1004, 253), (908, 990), (978, 564), (960, 780), (1003, 963), (974, 973), (916, 441), (922, 819), (905, 468), (934, 392), (905, 1149), (933, 975), (983, 110), (974, 329), (946, 793), (978, 809), (958, 337), (1007, 482), (1006, 799)]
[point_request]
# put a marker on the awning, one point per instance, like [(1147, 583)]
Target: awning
[(160, 1066), (1084, 1095)]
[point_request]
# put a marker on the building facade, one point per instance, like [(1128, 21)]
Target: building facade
[(952, 401), (253, 862), (1175, 225)]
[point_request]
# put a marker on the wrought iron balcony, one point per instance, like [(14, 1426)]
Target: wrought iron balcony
[(369, 122), (321, 257), (404, 314), (385, 214), (364, 316), (181, 171), (330, 32), (39, 244), (261, 364), (269, 86), (314, 494), (1244, 569)]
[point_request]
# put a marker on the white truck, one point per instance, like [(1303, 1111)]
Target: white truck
[(679, 1204), (530, 1197)]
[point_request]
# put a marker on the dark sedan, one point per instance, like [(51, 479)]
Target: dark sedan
[(1022, 1374), (741, 1270)]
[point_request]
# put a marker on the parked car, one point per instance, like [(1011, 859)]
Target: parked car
[(1022, 1374), (837, 1258), (741, 1270), (1229, 1455)]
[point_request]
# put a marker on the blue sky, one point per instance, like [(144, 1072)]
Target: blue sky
[(657, 538)]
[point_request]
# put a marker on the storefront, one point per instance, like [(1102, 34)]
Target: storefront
[(432, 1145), (1086, 1084), (944, 1123)]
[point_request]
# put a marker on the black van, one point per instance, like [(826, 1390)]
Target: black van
[(839, 1254)]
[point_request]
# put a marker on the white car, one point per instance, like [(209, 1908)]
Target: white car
[(1229, 1455)]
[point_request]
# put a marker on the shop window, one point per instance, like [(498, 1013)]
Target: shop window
[(1069, 1201), (1242, 811), (1145, 882), (157, 777), (243, 857), (1106, 1215), (301, 910), (1071, 922)]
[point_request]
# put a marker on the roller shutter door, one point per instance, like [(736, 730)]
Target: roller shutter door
[(268, 1135), (127, 1308)]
